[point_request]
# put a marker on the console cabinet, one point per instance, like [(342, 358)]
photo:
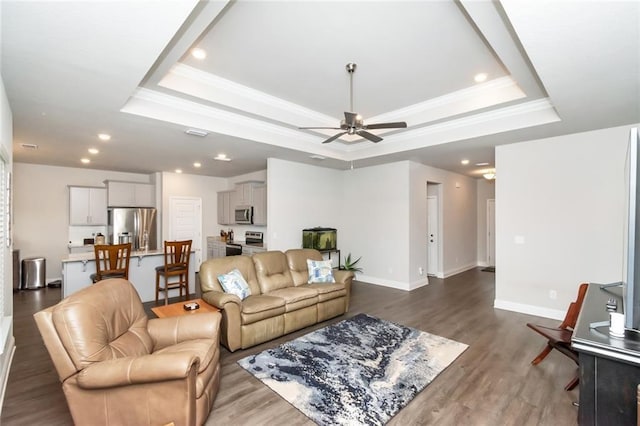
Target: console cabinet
[(130, 194), (87, 205)]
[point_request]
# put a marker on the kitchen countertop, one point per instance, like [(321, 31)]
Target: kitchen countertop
[(79, 257), (240, 242)]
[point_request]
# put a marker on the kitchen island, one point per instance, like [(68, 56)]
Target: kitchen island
[(77, 270)]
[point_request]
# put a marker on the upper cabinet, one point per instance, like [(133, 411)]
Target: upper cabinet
[(87, 205), (226, 207), (259, 195), (244, 192), (130, 194)]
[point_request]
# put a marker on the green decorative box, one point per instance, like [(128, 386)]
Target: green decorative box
[(320, 238)]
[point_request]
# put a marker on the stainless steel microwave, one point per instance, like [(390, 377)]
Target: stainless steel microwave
[(244, 215)]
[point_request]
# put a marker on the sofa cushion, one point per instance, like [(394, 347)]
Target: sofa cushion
[(296, 297), (320, 271), (297, 260), (327, 291), (233, 282), (272, 271), (210, 270), (258, 307)]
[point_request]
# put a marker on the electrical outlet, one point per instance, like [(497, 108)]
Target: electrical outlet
[(421, 271), (553, 295)]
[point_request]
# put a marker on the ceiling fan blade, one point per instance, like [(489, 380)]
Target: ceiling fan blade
[(373, 138), (350, 118), (334, 137), (330, 128), (396, 125)]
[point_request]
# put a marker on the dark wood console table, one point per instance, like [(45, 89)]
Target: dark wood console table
[(609, 366)]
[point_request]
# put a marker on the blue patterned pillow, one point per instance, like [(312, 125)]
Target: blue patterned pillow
[(234, 283), (320, 271)]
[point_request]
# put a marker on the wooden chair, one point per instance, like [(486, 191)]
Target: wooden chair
[(559, 338), (176, 265), (112, 261)]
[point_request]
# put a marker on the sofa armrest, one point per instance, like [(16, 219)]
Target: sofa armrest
[(342, 276), (230, 307), (219, 299), (172, 330), (138, 370)]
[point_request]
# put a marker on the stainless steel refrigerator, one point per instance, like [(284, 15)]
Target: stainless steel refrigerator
[(134, 225)]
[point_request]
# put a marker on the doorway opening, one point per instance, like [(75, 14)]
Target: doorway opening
[(434, 230)]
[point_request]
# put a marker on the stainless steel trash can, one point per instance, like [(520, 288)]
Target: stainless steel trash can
[(33, 273)]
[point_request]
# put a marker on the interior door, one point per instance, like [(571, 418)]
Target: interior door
[(185, 223), (491, 234), (432, 235)]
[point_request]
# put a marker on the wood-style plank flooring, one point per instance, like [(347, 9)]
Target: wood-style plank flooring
[(491, 383)]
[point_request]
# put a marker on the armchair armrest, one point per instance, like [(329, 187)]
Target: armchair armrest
[(171, 330), (138, 370), (219, 299)]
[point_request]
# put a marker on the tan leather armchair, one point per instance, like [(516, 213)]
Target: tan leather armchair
[(117, 367)]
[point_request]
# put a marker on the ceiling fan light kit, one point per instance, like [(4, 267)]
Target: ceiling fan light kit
[(353, 123)]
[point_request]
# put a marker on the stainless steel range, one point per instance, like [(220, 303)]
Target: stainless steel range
[(254, 238)]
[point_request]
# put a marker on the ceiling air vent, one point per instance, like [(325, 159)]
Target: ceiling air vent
[(29, 146), (196, 132)]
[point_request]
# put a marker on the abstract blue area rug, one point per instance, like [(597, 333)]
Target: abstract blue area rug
[(362, 370)]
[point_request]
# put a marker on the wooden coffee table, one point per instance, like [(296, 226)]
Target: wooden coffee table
[(177, 309)]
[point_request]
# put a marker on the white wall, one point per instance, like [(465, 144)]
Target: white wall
[(563, 198), (458, 232), (41, 208), (486, 190), (300, 196), (376, 222)]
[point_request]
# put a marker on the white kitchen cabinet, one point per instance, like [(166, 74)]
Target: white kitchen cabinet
[(87, 205), (226, 207), (130, 194), (244, 192), (251, 250), (260, 205)]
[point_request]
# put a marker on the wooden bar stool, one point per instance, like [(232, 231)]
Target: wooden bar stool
[(112, 261), (176, 265)]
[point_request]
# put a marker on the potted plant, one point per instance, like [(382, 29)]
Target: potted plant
[(350, 265)]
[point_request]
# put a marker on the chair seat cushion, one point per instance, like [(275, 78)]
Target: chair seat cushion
[(258, 307), (327, 291), (296, 297), (160, 269)]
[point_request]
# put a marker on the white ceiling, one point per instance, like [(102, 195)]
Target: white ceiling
[(77, 68)]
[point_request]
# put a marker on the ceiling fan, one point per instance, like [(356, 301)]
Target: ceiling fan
[(353, 123)]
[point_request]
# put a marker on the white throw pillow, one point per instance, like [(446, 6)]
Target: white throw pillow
[(234, 283), (320, 271)]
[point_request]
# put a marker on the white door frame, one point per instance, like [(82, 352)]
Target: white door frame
[(433, 253)]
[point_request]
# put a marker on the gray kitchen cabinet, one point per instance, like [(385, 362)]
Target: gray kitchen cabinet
[(130, 194), (87, 205), (244, 192), (226, 207), (251, 250), (216, 248), (260, 205)]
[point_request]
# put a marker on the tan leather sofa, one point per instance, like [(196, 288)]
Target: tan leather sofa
[(281, 301), (117, 367)]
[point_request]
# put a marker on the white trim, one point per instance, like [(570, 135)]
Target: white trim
[(9, 350), (529, 309), (460, 269), (383, 282), (420, 283)]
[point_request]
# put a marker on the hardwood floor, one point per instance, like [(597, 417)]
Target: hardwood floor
[(491, 383)]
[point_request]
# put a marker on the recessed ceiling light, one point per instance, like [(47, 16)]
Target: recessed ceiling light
[(482, 164), (85, 160), (465, 162), (317, 157), (198, 53), (29, 146), (104, 136), (197, 165), (93, 151), (479, 78), (178, 170), (196, 132), (221, 157)]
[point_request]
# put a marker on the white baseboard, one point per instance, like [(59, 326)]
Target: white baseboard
[(529, 309), (420, 283), (383, 282), (460, 269), (483, 264)]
